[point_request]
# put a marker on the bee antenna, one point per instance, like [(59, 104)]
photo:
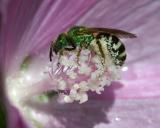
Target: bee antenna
[(51, 52)]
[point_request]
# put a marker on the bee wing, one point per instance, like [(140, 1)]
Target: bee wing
[(116, 32)]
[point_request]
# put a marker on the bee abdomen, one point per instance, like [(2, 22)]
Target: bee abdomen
[(115, 47)]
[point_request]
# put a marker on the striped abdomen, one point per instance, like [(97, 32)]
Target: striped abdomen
[(115, 47)]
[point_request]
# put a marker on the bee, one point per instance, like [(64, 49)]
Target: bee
[(82, 37)]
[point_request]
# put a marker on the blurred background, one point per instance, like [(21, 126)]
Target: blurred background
[(28, 26)]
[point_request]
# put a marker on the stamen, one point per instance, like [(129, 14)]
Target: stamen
[(89, 75)]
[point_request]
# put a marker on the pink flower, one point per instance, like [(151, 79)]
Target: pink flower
[(27, 27)]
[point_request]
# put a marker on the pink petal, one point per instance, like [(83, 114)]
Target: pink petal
[(136, 103), (141, 80), (30, 25)]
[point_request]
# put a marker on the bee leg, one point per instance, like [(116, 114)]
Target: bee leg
[(59, 57), (102, 56), (90, 56), (78, 54), (102, 61)]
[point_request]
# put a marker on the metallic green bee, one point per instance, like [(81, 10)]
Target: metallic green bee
[(81, 37)]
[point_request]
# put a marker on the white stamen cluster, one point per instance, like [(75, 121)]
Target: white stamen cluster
[(91, 73)]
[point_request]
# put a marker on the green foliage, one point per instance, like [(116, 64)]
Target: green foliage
[(3, 120)]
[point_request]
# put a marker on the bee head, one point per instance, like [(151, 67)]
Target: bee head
[(60, 43), (64, 42)]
